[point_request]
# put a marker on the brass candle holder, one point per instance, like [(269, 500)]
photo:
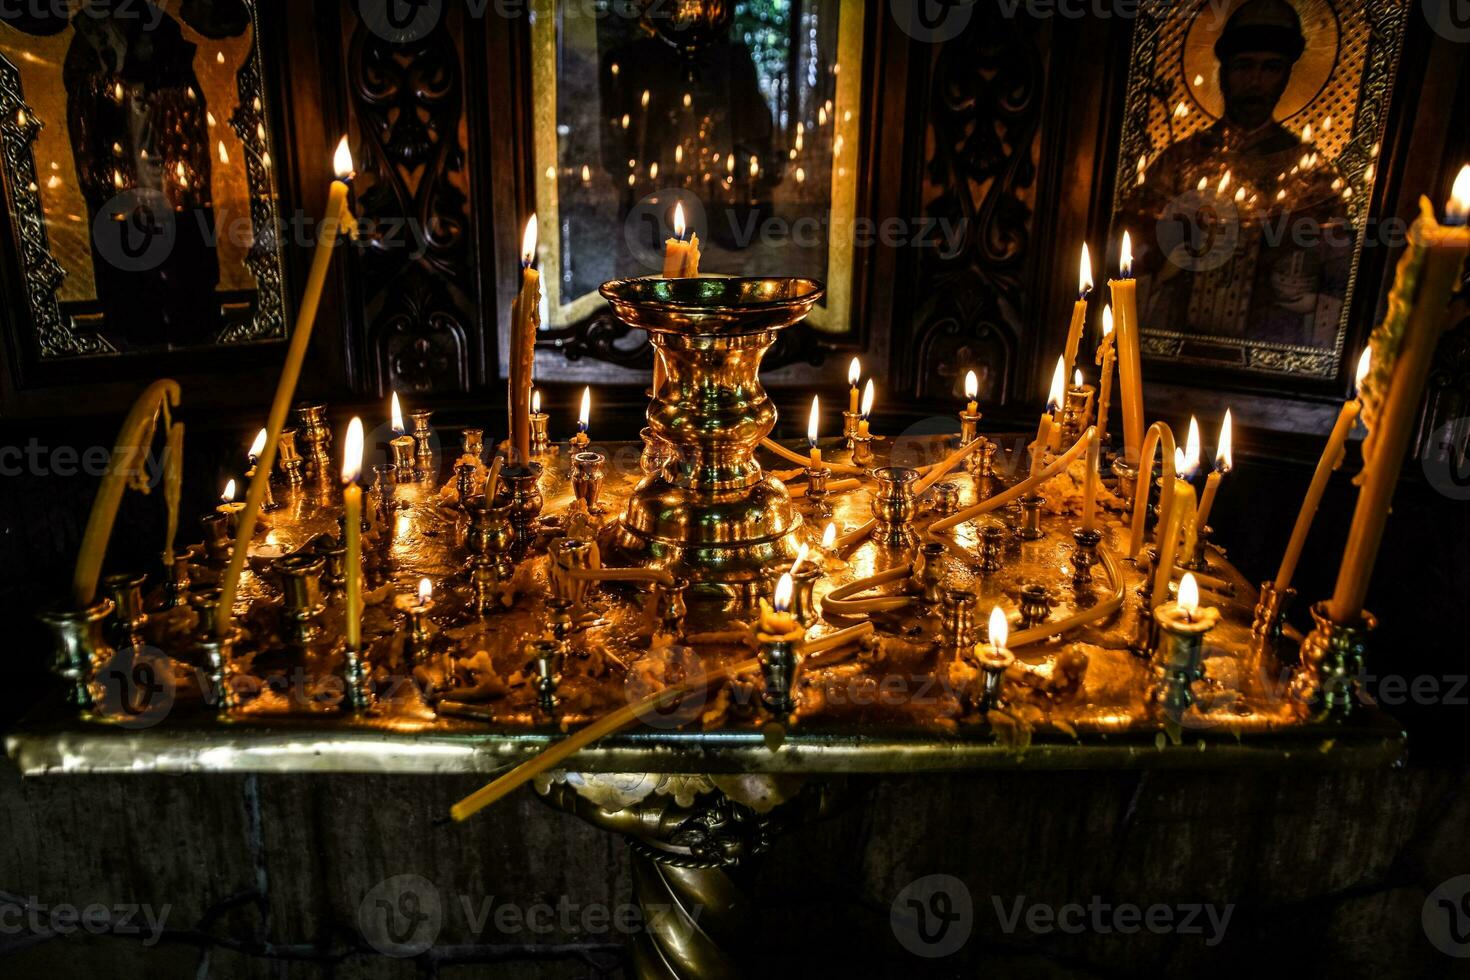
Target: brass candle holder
[(588, 472), (816, 491), (302, 602), (656, 453), (520, 491), (946, 496), (1181, 638), (543, 666), (568, 554), (357, 691), (423, 439), (712, 512), (217, 541), (540, 433), (895, 505), (1199, 560), (958, 623), (985, 467), (993, 662), (850, 422), (804, 578), (929, 576), (402, 448), (1074, 412), (474, 444), (1127, 483), (779, 657), (969, 429), (128, 618), (992, 548), (1084, 556), (464, 484), (288, 459), (217, 654), (415, 609), (385, 478), (317, 436), (1332, 662), (1035, 605), (1031, 518), (267, 502), (490, 541), (673, 606), (176, 588), (80, 647), (862, 450), (1269, 618)]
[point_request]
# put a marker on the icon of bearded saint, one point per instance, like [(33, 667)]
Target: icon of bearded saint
[(1242, 229)]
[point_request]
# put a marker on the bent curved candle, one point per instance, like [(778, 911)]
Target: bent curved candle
[(1026, 486), (1161, 436)]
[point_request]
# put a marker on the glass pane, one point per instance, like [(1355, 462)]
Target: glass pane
[(744, 120)]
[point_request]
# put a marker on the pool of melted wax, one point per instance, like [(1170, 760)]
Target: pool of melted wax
[(1087, 681)]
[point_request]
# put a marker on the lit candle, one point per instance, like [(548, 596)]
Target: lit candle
[(867, 408), (681, 258), (811, 434), (776, 617), (352, 529), (1048, 418), (1079, 308), (229, 506), (854, 375), (1105, 358), (1180, 518), (1429, 274), (525, 319), (829, 538), (1331, 459), (1130, 373), (1223, 465), (337, 218), (1185, 615), (584, 419), (1089, 487), (972, 389)]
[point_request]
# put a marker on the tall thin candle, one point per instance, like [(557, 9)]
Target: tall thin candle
[(525, 319), (1079, 308), (1106, 357), (1130, 373), (352, 529)]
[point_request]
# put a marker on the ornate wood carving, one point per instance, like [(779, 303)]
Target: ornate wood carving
[(412, 201), (985, 105)]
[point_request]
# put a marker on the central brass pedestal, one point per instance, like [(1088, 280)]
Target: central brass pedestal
[(710, 513)]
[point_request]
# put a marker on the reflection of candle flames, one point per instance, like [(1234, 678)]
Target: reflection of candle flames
[(352, 451), (1224, 462), (1188, 596), (426, 591), (395, 414), (972, 385), (1000, 630), (811, 423), (781, 601), (868, 398)]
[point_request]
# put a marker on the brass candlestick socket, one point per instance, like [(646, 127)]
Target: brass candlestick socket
[(362, 525), (204, 600), (543, 665), (895, 506), (1084, 557), (267, 502), (1127, 483), (128, 618), (288, 458), (1074, 413), (301, 585), (491, 540), (1333, 657), (520, 489), (928, 574), (779, 658), (587, 476), (464, 484), (563, 624), (385, 478), (317, 439), (862, 450), (672, 607), (569, 554), (1031, 518), (992, 548), (803, 595), (423, 438), (216, 653), (1035, 605), (540, 433), (334, 552), (1181, 636), (947, 497), (993, 662), (474, 444), (357, 690), (80, 647), (986, 467), (969, 429), (176, 589), (402, 448), (816, 491), (656, 453), (1199, 561), (959, 620), (1270, 614), (850, 422), (416, 630), (217, 541)]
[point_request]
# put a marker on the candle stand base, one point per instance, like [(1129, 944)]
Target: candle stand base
[(1332, 661), (1269, 619), (1084, 556), (1031, 518), (80, 647)]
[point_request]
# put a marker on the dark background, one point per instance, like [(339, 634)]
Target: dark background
[(1010, 123)]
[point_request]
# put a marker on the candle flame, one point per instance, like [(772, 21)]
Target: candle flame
[(679, 221), (228, 494), (854, 372), (224, 154), (1125, 258), (811, 423), (528, 241), (1189, 595), (1192, 451), (1084, 273), (1077, 378), (784, 590), (829, 536), (258, 446), (1058, 383), (1179, 465), (1000, 630), (535, 401), (426, 590), (1224, 462), (1224, 183), (868, 398), (352, 451), (585, 418), (643, 100), (1365, 362), (341, 160), (972, 385), (800, 557), (1459, 204), (395, 414), (1107, 319)]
